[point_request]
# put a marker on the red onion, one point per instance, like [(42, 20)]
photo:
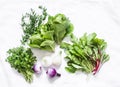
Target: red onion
[(51, 72), (37, 68)]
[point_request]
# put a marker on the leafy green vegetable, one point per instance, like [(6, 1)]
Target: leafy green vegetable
[(22, 60), (60, 25), (43, 42), (39, 34), (30, 23), (54, 31), (86, 53)]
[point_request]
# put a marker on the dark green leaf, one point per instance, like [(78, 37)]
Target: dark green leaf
[(70, 69), (84, 53)]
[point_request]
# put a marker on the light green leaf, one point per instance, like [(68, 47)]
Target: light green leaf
[(48, 45)]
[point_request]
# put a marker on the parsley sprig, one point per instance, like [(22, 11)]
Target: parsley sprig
[(22, 59)]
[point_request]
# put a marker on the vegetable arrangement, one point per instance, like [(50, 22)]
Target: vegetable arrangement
[(44, 31), (22, 60), (86, 53), (39, 35)]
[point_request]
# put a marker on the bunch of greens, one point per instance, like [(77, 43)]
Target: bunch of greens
[(30, 23), (86, 53), (44, 35), (22, 60), (54, 31)]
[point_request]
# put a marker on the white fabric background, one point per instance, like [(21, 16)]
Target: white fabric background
[(100, 16)]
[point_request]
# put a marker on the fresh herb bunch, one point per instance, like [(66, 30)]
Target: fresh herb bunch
[(54, 31), (22, 60), (86, 53), (30, 23)]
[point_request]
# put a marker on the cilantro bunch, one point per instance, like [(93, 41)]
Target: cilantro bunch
[(22, 60), (86, 53)]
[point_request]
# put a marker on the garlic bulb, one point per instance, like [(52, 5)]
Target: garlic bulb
[(57, 60), (46, 61)]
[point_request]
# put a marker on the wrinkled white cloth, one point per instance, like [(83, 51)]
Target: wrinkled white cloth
[(100, 16)]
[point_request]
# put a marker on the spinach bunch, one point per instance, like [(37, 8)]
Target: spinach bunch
[(22, 60), (86, 53)]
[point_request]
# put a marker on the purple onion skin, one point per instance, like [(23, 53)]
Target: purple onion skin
[(51, 72), (37, 69)]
